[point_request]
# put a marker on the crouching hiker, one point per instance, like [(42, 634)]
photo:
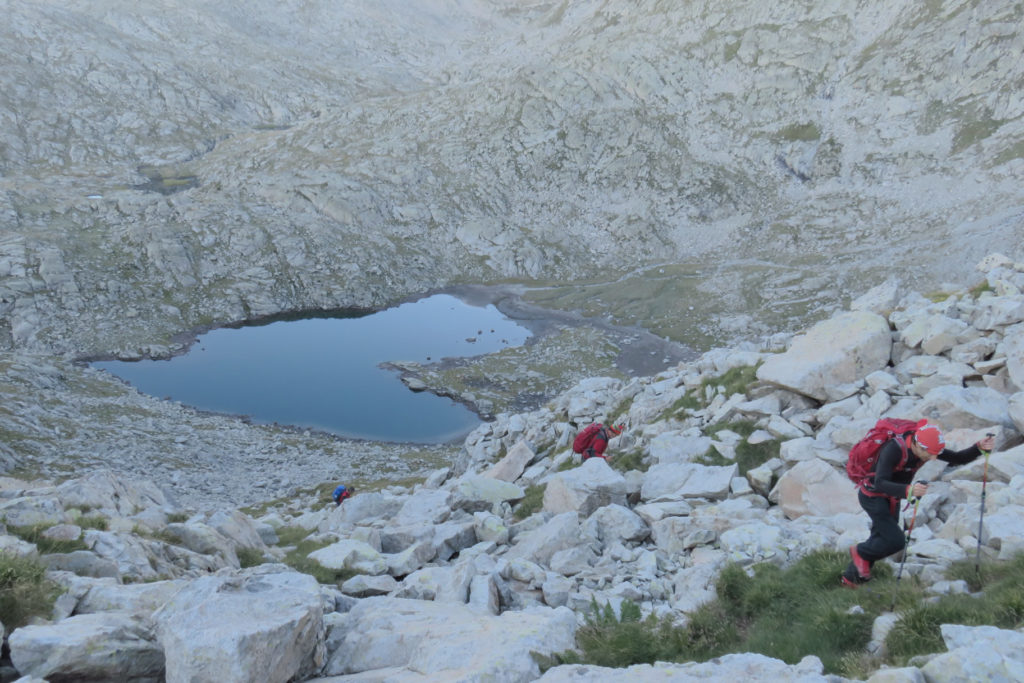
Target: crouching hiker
[(340, 494), (592, 441), (883, 464)]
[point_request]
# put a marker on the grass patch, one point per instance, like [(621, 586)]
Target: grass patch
[(733, 381), (25, 592), (298, 559), (681, 407), (249, 557), (177, 518), (98, 522), (748, 455), (633, 460), (46, 546), (1000, 604), (291, 535), (791, 613), (532, 501), (980, 288), (781, 613), (569, 464)]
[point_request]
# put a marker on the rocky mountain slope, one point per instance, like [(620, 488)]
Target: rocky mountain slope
[(467, 574), (170, 165)]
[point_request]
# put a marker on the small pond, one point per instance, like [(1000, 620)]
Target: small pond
[(324, 372)]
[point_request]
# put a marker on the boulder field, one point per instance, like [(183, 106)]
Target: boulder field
[(452, 578)]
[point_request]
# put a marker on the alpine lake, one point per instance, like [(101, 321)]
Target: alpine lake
[(325, 372)]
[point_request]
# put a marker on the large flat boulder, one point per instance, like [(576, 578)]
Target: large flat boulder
[(111, 646), (262, 624), (420, 640), (833, 354)]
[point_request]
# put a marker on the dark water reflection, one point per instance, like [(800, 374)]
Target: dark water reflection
[(323, 372)]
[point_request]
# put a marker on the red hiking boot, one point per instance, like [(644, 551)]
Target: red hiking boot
[(846, 582), (862, 565)]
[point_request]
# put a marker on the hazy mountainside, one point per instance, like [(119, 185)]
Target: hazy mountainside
[(171, 164), (704, 170)]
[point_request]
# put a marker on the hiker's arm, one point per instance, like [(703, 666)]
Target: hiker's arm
[(889, 457), (960, 457), (600, 443)]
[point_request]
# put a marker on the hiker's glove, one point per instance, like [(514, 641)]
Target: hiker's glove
[(916, 490)]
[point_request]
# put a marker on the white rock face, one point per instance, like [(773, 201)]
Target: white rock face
[(813, 487), (106, 646), (835, 353), (266, 624), (584, 489), (433, 639)]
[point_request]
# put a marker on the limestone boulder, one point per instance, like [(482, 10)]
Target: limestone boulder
[(425, 506), (538, 545), (675, 446), (391, 638), (616, 523), (350, 554), (1015, 406), (264, 623), (112, 494), (977, 653), (737, 667), (512, 466), (838, 352), (475, 493), (675, 481), (584, 489), (814, 487), (966, 407), (108, 646), (1012, 348)]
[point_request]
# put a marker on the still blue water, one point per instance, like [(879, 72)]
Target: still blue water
[(323, 373)]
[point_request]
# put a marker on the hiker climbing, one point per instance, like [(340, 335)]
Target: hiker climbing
[(883, 464), (593, 440), (341, 493)]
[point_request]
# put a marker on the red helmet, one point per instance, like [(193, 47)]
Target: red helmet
[(930, 438)]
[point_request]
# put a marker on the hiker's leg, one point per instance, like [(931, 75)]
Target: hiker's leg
[(886, 536)]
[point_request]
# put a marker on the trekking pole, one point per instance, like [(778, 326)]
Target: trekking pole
[(906, 547), (981, 517)]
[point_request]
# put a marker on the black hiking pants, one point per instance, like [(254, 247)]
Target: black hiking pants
[(886, 536)]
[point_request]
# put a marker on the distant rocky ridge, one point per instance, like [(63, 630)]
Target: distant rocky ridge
[(165, 166), (448, 583)]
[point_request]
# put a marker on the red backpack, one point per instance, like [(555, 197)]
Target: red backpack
[(864, 454), (585, 438)]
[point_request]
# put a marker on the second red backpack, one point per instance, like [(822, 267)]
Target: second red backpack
[(585, 438)]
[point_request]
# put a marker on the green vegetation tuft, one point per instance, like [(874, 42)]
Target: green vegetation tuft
[(291, 535), (681, 408), (1000, 604), (177, 517), (98, 522), (249, 557), (532, 501), (46, 546), (733, 381), (298, 559), (608, 639), (25, 592), (633, 460), (791, 613), (979, 289), (748, 455)]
